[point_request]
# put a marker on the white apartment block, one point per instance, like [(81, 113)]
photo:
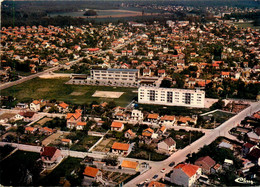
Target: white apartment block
[(115, 75), (171, 96)]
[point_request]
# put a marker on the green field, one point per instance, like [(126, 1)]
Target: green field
[(57, 89)]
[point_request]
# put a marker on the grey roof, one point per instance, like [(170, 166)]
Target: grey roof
[(225, 145), (131, 70), (169, 141)]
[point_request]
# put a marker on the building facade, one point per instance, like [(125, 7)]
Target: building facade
[(115, 75), (171, 96)]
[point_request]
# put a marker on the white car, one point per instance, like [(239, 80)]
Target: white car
[(163, 170)]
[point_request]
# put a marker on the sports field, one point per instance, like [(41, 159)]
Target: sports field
[(57, 89)]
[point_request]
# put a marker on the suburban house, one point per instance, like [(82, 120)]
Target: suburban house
[(206, 163), (63, 107), (253, 136), (153, 118), (80, 125), (225, 145), (50, 156), (185, 174), (167, 120), (92, 174), (27, 116), (117, 126), (130, 134), (162, 130), (130, 165), (35, 105), (148, 132), (156, 184), (73, 119), (46, 131), (66, 141), (122, 149), (137, 115), (167, 145), (30, 130)]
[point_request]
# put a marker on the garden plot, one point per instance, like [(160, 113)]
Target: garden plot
[(107, 94)]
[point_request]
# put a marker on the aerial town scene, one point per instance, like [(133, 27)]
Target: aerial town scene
[(130, 93)]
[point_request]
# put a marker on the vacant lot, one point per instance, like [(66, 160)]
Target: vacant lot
[(107, 94), (44, 120), (105, 145), (57, 89), (86, 143)]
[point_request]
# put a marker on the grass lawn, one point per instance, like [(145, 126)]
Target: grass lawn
[(218, 116), (63, 170), (13, 169), (142, 153), (84, 144), (57, 89)]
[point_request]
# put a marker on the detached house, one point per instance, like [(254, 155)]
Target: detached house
[(167, 145), (122, 149), (153, 118), (167, 120), (129, 165), (117, 126), (185, 174), (148, 132), (50, 157), (206, 163), (137, 115), (73, 119), (63, 107), (35, 105), (92, 174), (130, 134)]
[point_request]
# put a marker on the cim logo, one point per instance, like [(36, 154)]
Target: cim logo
[(242, 180)]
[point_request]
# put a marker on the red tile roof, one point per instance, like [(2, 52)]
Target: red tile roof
[(91, 172), (116, 124), (188, 169), (120, 146), (48, 151)]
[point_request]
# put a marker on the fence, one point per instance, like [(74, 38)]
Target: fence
[(90, 149)]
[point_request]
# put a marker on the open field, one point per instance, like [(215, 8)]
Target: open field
[(105, 145), (107, 94), (57, 89), (44, 120)]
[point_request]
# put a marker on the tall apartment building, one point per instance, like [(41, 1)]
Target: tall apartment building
[(115, 75), (171, 96)]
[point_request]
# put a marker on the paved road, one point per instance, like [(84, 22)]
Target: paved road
[(208, 138)]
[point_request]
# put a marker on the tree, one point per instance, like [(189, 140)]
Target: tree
[(110, 160), (218, 105), (166, 83)]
